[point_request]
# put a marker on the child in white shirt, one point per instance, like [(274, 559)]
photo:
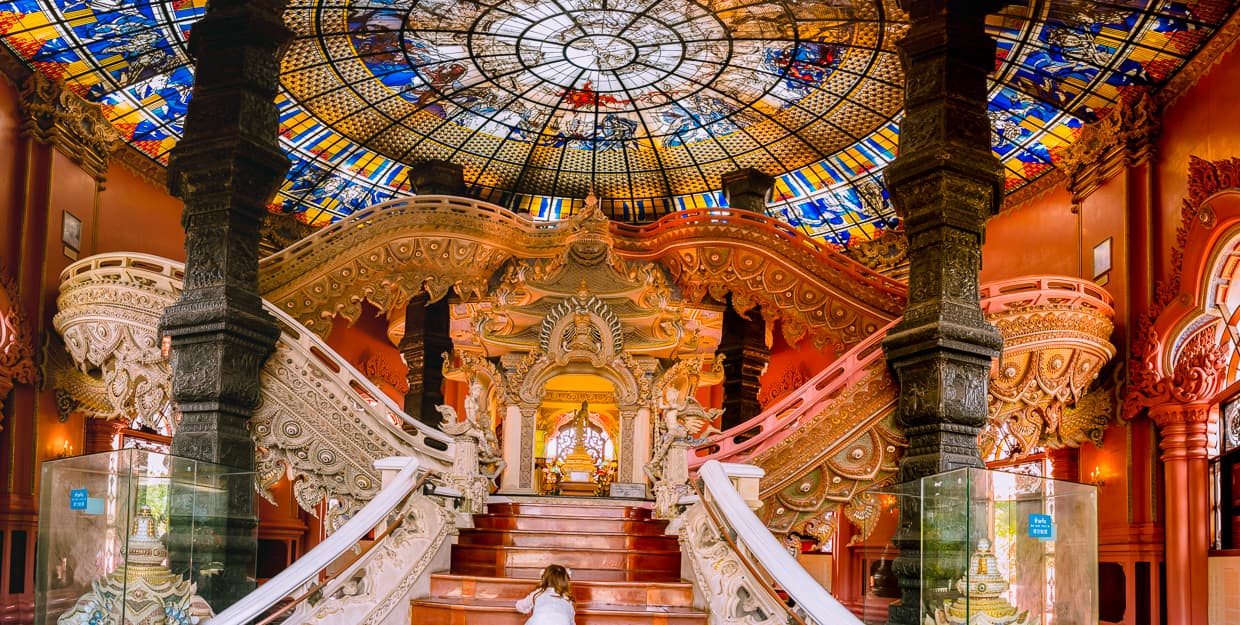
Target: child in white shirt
[(552, 602)]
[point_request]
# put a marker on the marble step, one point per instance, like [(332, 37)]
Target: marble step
[(571, 524), (548, 538), (435, 611), (579, 573), (570, 507), (582, 557), (465, 588)]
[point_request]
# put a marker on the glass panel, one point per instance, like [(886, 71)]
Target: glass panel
[(130, 534), (1019, 549)]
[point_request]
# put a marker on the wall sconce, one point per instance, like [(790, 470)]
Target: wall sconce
[(1096, 478), (66, 450)]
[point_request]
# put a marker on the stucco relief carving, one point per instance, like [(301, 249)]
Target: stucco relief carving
[(806, 478), (384, 581), (1149, 380), (732, 595), (806, 307), (390, 252), (1052, 354), (16, 344), (388, 277), (53, 114)]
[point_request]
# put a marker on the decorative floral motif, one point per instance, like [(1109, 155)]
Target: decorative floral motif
[(16, 346)]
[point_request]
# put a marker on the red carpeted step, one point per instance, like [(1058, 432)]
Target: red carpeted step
[(571, 524), (574, 558), (625, 570)]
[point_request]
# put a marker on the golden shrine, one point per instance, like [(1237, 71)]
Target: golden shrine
[(571, 350)]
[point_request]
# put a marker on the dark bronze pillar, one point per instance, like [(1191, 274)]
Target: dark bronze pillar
[(747, 189), (422, 347), (226, 169), (743, 346), (945, 184), (436, 177)]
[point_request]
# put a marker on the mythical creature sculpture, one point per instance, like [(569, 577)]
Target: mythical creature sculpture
[(668, 469), (476, 425)]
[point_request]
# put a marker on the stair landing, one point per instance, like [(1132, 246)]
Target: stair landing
[(625, 570)]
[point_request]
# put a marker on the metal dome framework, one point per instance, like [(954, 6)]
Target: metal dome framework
[(647, 102)]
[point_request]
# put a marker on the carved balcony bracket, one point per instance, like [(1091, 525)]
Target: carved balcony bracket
[(1052, 354), (52, 113), (1125, 138)]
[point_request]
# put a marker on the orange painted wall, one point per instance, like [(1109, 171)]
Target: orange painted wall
[(1200, 123), (367, 340), (804, 358), (1037, 237), (127, 200)]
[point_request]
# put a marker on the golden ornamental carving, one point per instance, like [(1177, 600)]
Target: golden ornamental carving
[(1123, 138), (806, 478), (389, 252), (53, 114), (1051, 356), (17, 362), (887, 254)]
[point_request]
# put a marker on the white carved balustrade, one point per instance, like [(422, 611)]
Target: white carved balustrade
[(320, 421)]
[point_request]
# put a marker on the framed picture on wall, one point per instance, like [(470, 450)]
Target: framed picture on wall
[(71, 234)]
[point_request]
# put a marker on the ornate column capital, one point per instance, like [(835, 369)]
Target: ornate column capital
[(1183, 430), (1198, 375), (52, 114)]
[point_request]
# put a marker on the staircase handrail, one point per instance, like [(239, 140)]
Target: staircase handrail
[(785, 414), (313, 345), (172, 274), (733, 517), (308, 567)]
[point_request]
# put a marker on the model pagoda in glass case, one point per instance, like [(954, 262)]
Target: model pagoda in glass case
[(994, 548)]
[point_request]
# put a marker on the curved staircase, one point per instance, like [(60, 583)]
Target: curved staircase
[(625, 569)]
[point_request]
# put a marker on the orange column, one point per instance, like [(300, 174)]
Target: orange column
[(1187, 525)]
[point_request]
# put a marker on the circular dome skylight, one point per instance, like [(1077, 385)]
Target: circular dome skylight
[(647, 102), (635, 99)]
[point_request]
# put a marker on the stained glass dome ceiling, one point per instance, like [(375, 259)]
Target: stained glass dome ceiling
[(647, 102)]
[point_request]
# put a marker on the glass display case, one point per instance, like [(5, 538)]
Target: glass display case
[(993, 548), (136, 536)]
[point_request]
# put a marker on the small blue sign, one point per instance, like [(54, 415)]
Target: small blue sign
[(77, 499), (1041, 527)]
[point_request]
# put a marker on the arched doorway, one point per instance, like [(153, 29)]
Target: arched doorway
[(563, 466)]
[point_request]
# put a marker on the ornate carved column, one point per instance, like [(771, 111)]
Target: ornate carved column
[(422, 347), (627, 467), (1180, 406), (747, 189), (945, 184), (510, 481), (529, 423), (745, 357), (226, 169)]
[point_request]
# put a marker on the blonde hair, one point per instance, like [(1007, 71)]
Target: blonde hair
[(556, 578)]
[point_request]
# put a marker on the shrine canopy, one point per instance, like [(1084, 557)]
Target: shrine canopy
[(647, 102)]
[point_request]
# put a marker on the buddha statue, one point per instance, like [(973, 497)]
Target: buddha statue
[(980, 602)]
